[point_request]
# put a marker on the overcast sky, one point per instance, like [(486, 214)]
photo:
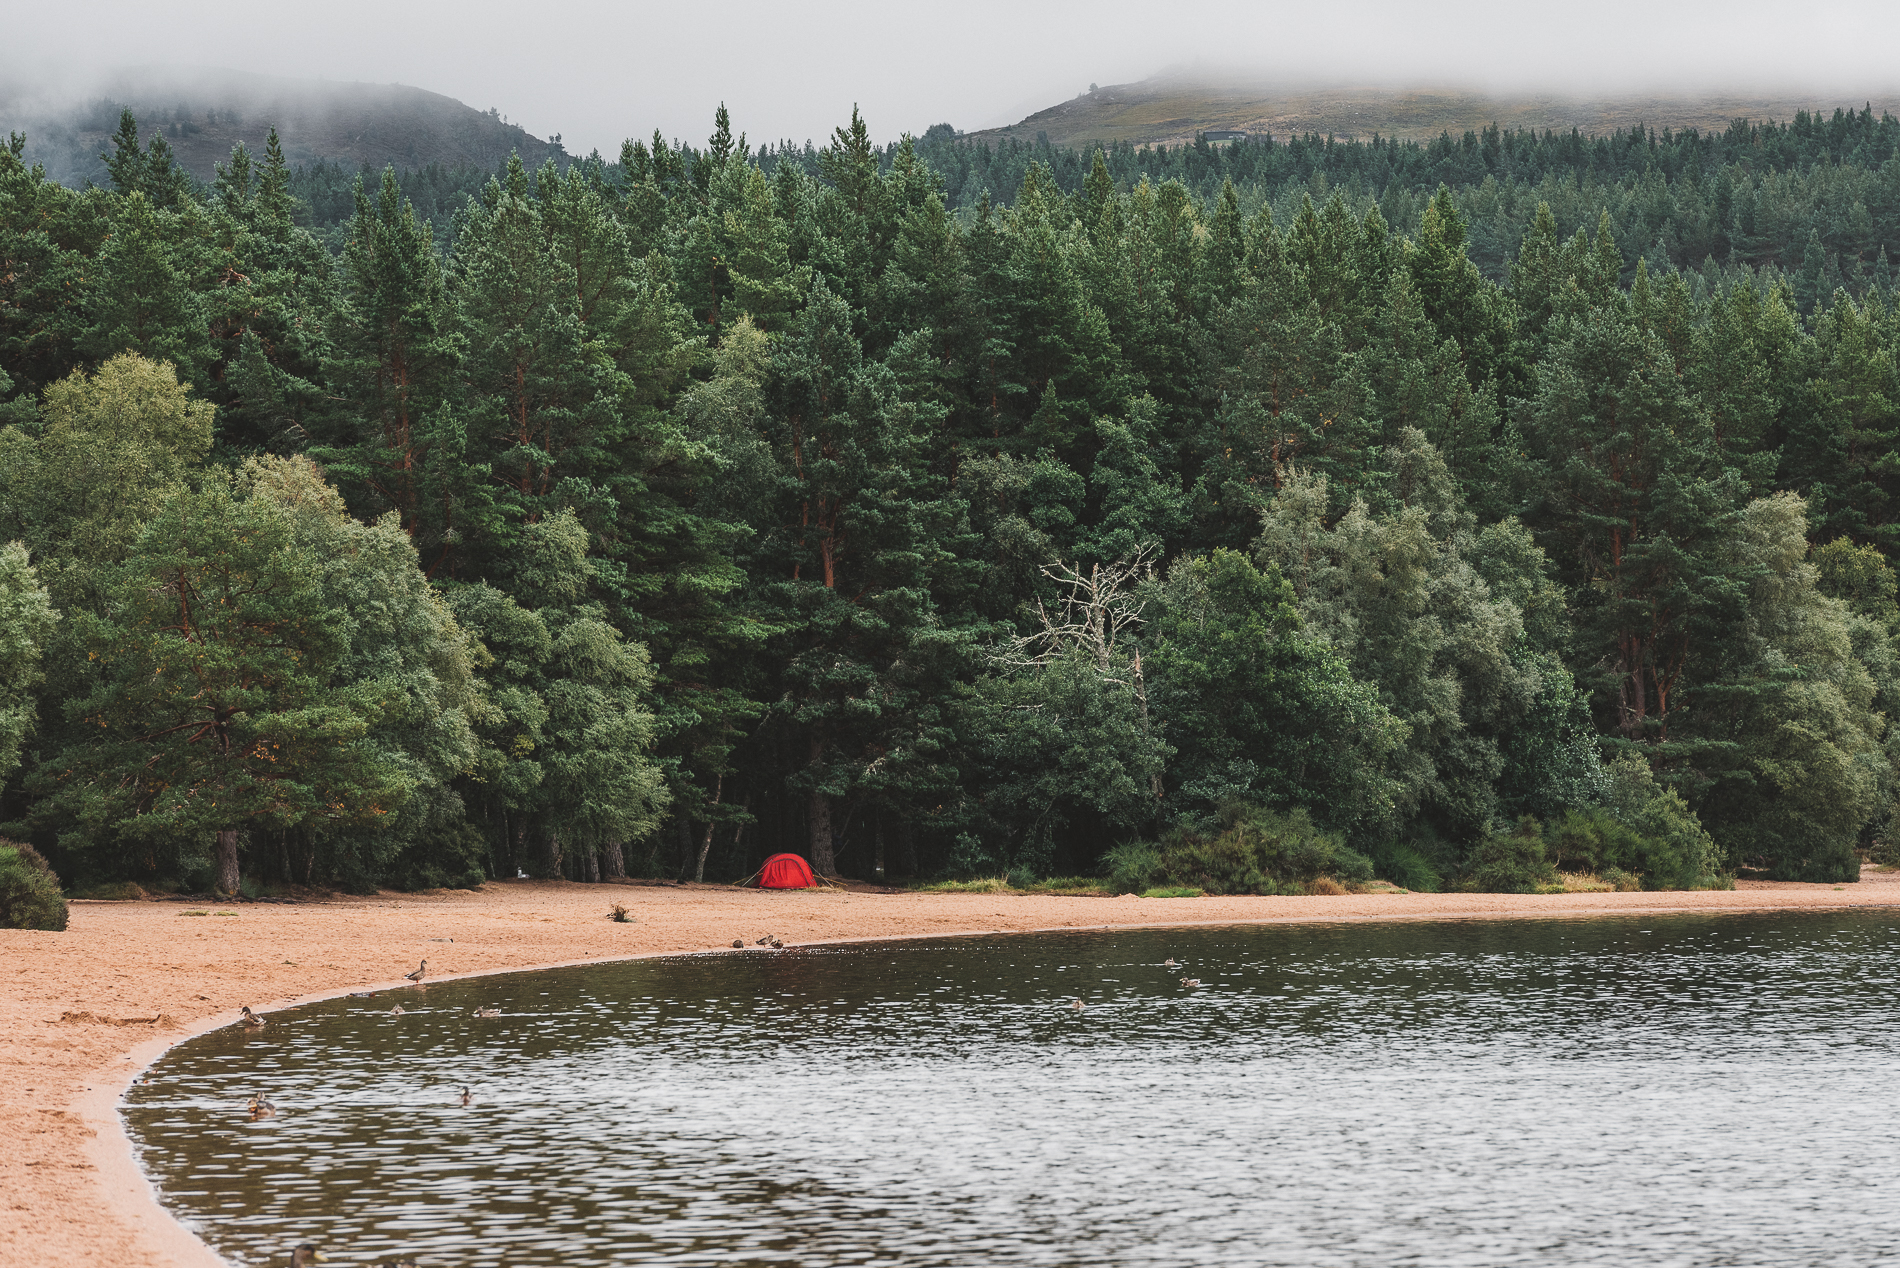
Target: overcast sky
[(597, 70)]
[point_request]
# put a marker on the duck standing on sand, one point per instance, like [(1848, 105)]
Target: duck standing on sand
[(416, 977), (307, 1254), (251, 1020)]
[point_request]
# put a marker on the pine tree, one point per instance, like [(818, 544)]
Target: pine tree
[(402, 446)]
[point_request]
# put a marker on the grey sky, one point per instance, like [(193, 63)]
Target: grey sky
[(596, 71)]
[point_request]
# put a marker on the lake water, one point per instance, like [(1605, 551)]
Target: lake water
[(1661, 1090)]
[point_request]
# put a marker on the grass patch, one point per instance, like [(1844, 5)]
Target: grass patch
[(123, 891), (1071, 886), (194, 913), (1173, 891), (981, 885)]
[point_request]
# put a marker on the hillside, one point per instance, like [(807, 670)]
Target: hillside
[(206, 111), (1173, 110)]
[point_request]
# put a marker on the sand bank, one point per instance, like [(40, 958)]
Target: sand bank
[(81, 1012)]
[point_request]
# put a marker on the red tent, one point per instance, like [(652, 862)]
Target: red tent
[(786, 871)]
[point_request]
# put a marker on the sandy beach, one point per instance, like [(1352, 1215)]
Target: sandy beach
[(86, 1009)]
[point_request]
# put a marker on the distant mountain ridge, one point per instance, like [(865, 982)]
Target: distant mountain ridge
[(1173, 110), (204, 112)]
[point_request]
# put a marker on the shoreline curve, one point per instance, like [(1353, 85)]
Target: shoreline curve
[(106, 1207)]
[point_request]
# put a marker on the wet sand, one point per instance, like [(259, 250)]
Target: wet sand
[(81, 1012)]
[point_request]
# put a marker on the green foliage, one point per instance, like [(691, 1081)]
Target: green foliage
[(722, 501), (1860, 577), (1510, 862), (1256, 709), (1240, 849), (29, 892), (26, 620)]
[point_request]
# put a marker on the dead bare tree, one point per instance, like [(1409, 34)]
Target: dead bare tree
[(1098, 610)]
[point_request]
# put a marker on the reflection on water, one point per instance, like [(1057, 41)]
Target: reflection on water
[(1661, 1090)]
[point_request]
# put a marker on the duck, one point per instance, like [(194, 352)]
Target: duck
[(362, 994), (1190, 981), (766, 941), (468, 1098), (261, 1108), (307, 1254), (1078, 1005), (396, 1011), (490, 1011), (1169, 963), (777, 945), (251, 1020), (416, 977), (738, 942)]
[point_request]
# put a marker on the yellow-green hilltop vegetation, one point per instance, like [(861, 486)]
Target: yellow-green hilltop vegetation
[(1176, 109)]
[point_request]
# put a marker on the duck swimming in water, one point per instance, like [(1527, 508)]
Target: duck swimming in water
[(1078, 1006), (251, 1020), (1190, 981), (490, 1011), (468, 1098), (397, 1011), (1169, 963), (307, 1254), (261, 1108)]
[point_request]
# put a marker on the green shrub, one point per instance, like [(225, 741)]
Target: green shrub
[(1512, 862), (1676, 851), (1407, 868), (29, 892), (1173, 891), (1244, 849), (1133, 866)]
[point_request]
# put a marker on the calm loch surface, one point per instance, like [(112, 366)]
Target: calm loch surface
[(1656, 1091)]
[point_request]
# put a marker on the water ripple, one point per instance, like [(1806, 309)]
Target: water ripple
[(1653, 1090)]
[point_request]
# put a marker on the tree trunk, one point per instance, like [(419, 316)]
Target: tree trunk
[(738, 834), (590, 865), (821, 857), (227, 880), (705, 846), (616, 860), (554, 856)]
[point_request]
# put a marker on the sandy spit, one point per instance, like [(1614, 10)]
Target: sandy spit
[(84, 1011)]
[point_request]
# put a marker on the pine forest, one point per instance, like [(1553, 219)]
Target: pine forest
[(1248, 517)]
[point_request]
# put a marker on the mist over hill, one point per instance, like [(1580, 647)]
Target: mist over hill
[(205, 111), (1174, 109)]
